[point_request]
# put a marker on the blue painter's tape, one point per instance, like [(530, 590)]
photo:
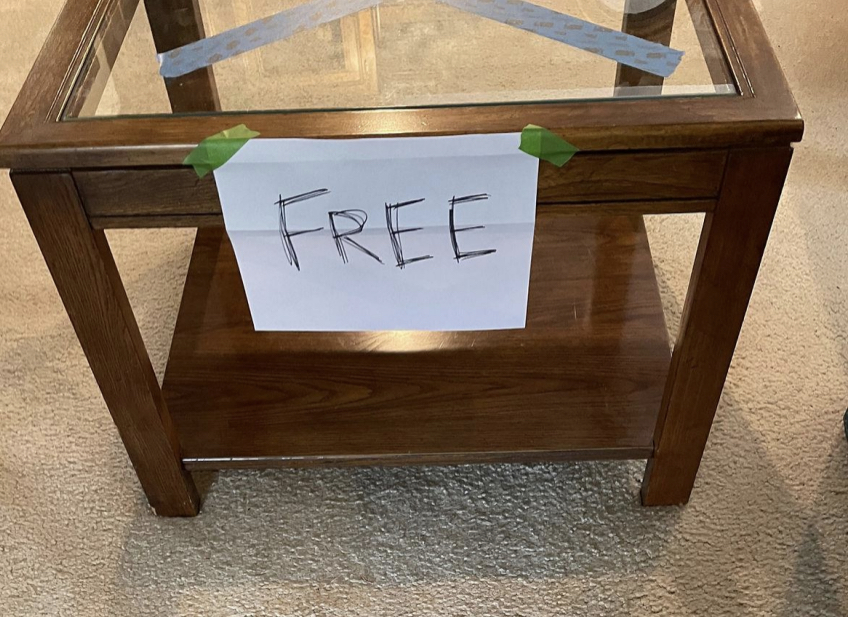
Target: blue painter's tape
[(248, 37), (619, 46)]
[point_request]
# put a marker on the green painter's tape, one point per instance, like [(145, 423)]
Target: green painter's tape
[(214, 151), (543, 144)]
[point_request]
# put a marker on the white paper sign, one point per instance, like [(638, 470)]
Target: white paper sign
[(425, 233)]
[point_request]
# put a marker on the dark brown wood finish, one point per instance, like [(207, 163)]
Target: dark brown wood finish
[(398, 460), (655, 179), (50, 82), (161, 221), (584, 379), (609, 176), (96, 71), (654, 25), (764, 114), (730, 251), (82, 267), (601, 208), (711, 45), (175, 23), (590, 386), (97, 144)]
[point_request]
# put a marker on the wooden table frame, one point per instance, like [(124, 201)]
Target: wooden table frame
[(725, 156)]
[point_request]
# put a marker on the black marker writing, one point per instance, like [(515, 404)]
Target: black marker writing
[(453, 230), (341, 238), (286, 235), (395, 231)]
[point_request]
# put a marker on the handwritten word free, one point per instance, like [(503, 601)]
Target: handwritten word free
[(346, 225), (383, 233)]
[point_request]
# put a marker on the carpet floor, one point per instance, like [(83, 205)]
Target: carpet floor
[(764, 534)]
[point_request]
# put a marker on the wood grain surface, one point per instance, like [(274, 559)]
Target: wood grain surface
[(764, 112), (85, 274), (652, 177), (730, 252), (583, 379), (175, 23)]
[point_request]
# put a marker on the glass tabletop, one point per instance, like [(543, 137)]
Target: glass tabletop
[(300, 55)]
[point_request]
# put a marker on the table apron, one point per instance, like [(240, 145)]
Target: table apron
[(651, 182)]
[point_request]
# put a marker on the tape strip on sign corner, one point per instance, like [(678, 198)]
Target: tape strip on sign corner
[(213, 152), (541, 143), (208, 51), (619, 46)]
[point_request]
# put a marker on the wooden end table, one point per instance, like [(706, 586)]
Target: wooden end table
[(96, 140)]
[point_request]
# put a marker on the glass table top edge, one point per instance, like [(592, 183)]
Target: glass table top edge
[(129, 86)]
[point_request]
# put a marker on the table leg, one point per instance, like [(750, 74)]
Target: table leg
[(654, 25), (88, 282), (730, 251), (175, 23)]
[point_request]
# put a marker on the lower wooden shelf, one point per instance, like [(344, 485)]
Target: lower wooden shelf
[(582, 380)]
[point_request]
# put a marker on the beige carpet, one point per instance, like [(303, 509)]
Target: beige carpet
[(765, 532)]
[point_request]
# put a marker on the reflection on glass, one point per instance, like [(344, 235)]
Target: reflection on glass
[(406, 53)]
